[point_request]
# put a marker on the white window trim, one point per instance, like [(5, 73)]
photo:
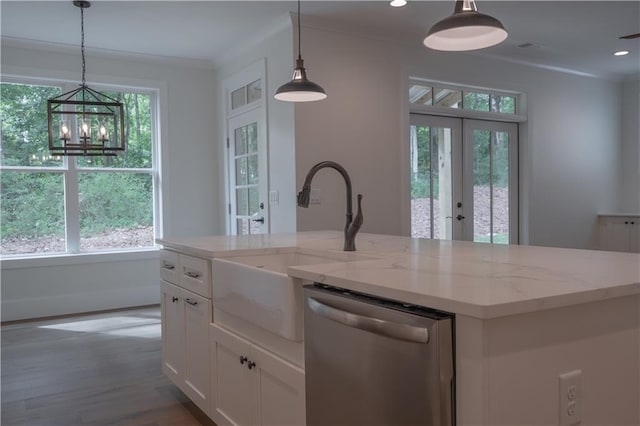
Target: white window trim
[(157, 92)]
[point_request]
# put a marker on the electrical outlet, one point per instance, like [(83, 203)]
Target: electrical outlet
[(570, 398)]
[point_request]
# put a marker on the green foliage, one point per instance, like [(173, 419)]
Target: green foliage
[(32, 205), (23, 109), (114, 201)]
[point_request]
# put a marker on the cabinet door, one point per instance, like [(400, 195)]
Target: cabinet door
[(616, 233), (197, 316), (282, 395), (235, 386), (634, 235), (173, 343)]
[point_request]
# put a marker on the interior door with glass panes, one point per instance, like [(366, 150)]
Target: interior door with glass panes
[(490, 181), (248, 184), (436, 183)]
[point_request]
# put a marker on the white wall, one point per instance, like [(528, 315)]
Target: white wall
[(189, 186), (276, 48), (630, 146), (570, 147)]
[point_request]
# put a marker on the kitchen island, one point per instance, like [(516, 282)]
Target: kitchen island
[(524, 316)]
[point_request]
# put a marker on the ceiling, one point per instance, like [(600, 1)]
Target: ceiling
[(579, 36)]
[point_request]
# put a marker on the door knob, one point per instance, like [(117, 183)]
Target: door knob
[(459, 217), (261, 220)]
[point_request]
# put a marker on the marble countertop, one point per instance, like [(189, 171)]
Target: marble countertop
[(478, 280)]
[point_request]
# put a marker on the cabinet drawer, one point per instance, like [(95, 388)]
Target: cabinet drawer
[(169, 266), (195, 275)]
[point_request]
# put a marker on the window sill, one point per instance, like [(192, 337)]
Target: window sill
[(65, 259)]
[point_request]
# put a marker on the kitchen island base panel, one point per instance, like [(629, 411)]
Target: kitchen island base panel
[(508, 368)]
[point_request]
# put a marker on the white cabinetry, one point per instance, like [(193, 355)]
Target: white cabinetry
[(620, 233), (186, 315), (252, 386)]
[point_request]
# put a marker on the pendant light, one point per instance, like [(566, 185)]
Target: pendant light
[(85, 122), (300, 89), (466, 29)]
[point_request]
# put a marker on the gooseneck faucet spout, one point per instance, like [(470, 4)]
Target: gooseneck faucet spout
[(352, 226)]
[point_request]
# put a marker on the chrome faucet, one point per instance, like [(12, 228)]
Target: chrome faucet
[(353, 225)]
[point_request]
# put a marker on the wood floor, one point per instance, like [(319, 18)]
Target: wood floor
[(102, 369)]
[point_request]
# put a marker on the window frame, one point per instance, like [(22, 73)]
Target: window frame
[(520, 107), (70, 171)]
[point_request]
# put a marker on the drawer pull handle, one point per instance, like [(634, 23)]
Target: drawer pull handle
[(174, 299), (191, 302), (243, 359), (251, 364), (193, 275), (168, 266)]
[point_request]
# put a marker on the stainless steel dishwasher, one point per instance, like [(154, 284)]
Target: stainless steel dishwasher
[(372, 361)]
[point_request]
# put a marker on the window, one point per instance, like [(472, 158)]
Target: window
[(73, 204), (450, 97)]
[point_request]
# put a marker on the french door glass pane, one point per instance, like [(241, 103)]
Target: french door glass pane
[(32, 213), (116, 210), (500, 187), (240, 141), (241, 171), (491, 186), (431, 189), (252, 138), (247, 179), (252, 170), (481, 186), (242, 202)]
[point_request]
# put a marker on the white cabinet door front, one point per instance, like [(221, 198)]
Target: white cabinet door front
[(253, 386), (235, 386), (173, 348), (197, 313)]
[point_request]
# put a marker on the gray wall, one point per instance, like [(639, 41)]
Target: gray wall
[(571, 146)]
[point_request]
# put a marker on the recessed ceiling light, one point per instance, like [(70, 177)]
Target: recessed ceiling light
[(621, 52), (398, 3)]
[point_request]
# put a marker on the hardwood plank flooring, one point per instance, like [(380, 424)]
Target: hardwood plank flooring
[(100, 369)]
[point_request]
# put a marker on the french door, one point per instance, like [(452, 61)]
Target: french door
[(247, 174), (464, 179)]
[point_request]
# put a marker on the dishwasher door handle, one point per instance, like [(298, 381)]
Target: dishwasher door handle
[(390, 329)]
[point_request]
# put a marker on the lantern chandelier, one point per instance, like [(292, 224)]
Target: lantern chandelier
[(85, 122)]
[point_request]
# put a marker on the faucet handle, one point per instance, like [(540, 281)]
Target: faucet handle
[(357, 221)]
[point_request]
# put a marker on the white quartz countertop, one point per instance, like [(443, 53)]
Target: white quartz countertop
[(478, 280)]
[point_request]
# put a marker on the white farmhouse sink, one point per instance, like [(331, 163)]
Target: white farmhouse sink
[(257, 289)]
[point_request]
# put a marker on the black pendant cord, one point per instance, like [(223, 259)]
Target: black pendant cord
[(299, 40), (84, 64), (82, 45)]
